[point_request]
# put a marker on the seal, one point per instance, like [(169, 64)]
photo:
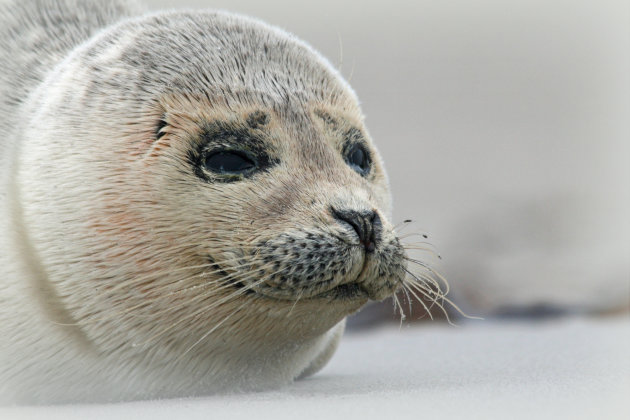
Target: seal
[(192, 204)]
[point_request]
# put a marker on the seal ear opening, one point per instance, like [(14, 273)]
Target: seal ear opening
[(159, 133)]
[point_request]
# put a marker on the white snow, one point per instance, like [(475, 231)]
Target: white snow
[(571, 368)]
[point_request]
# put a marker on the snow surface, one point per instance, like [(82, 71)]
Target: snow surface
[(571, 368)]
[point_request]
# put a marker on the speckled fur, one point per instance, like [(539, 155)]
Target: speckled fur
[(120, 257)]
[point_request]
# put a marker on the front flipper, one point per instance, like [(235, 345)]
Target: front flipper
[(327, 352)]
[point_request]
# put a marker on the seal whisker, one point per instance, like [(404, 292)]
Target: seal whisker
[(398, 228), (160, 297), (400, 309), (413, 234), (224, 282), (407, 289), (426, 280), (432, 272), (404, 289), (210, 331), (214, 304), (295, 303), (437, 295), (152, 275), (434, 299), (204, 274), (432, 251)]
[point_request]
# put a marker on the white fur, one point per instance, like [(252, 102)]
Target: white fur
[(103, 224)]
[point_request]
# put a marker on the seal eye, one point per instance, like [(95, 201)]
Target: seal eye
[(359, 159), (229, 163)]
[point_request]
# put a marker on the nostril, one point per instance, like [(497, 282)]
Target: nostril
[(366, 224), (353, 219)]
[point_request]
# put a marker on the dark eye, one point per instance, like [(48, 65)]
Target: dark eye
[(358, 158), (229, 163)]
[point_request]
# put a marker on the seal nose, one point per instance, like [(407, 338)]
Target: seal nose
[(367, 225)]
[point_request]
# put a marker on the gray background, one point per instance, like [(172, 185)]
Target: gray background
[(504, 129)]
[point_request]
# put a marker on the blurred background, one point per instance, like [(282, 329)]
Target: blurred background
[(504, 126)]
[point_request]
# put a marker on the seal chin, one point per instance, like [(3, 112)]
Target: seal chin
[(348, 291)]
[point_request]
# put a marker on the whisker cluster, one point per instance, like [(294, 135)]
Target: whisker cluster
[(424, 283)]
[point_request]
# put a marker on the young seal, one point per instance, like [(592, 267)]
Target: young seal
[(191, 204)]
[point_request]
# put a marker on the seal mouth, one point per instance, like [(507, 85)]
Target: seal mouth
[(343, 292), (347, 291)]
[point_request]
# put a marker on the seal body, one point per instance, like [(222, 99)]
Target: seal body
[(191, 204)]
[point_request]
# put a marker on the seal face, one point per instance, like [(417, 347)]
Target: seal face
[(315, 243), (198, 206)]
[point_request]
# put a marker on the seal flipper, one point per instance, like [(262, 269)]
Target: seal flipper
[(326, 354)]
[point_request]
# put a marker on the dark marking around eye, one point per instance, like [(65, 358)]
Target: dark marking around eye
[(354, 135), (230, 152), (355, 150)]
